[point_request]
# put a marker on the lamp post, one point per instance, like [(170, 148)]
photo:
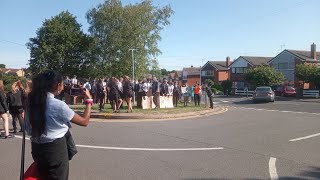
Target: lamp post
[(132, 53)]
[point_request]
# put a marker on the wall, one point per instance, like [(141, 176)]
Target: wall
[(222, 76), (191, 80), (240, 62), (285, 57)]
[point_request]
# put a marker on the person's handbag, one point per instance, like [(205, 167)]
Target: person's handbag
[(32, 172)]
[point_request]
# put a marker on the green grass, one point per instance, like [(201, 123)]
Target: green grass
[(180, 109)]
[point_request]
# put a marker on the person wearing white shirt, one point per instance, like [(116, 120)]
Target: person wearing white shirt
[(48, 122), (87, 85), (170, 89), (74, 80)]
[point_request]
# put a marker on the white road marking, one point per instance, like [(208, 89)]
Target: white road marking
[(305, 137), (151, 149), (273, 110), (273, 169), (225, 101), (20, 137), (143, 149)]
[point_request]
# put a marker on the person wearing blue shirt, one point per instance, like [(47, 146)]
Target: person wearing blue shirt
[(48, 122)]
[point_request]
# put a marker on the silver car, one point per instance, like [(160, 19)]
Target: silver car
[(263, 93)]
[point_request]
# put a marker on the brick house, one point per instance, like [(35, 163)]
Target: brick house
[(239, 67), (191, 75), (177, 75), (217, 71), (18, 72), (286, 61)]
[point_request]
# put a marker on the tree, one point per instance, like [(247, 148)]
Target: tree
[(164, 72), (309, 73), (119, 28), (60, 45), (2, 66), (154, 69), (227, 86), (263, 76)]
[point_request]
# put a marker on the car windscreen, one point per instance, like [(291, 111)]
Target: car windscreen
[(263, 89), (289, 88)]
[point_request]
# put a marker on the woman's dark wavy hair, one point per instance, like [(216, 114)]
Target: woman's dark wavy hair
[(37, 100)]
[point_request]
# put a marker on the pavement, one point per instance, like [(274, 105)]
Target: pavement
[(279, 140), (193, 114)]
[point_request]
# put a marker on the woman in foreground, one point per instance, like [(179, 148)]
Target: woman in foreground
[(48, 122)]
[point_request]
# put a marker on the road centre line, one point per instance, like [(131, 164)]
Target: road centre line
[(272, 169), (143, 149), (151, 149), (305, 137), (273, 110)]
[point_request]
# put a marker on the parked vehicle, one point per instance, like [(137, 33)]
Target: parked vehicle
[(285, 91), (263, 93)]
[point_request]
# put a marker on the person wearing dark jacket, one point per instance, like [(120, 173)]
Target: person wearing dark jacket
[(209, 94), (156, 93), (14, 100), (114, 95), (3, 112), (128, 92), (176, 93), (100, 94)]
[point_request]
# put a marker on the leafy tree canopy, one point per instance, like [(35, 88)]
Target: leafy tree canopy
[(309, 73), (60, 45), (2, 66), (120, 28), (263, 76)]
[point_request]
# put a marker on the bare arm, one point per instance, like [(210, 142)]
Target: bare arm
[(84, 119)]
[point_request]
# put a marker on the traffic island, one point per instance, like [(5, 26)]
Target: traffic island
[(172, 113)]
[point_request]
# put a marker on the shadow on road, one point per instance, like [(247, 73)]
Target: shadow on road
[(311, 173), (247, 101)]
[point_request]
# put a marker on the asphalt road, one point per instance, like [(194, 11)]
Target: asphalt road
[(250, 141)]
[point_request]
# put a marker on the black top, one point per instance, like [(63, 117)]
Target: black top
[(128, 89), (114, 91), (3, 103), (209, 92), (14, 101)]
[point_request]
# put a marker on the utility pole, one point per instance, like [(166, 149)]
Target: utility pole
[(132, 52)]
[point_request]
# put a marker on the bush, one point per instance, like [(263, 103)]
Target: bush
[(227, 85), (217, 86), (215, 91)]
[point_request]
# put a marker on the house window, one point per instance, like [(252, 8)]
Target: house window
[(239, 85), (283, 65), (239, 70), (207, 73)]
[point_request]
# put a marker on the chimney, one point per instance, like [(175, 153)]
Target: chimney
[(313, 52), (228, 61)]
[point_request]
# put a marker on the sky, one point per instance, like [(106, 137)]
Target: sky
[(200, 30)]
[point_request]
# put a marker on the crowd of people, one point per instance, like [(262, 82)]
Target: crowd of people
[(38, 108), (115, 91), (118, 90), (13, 104)]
